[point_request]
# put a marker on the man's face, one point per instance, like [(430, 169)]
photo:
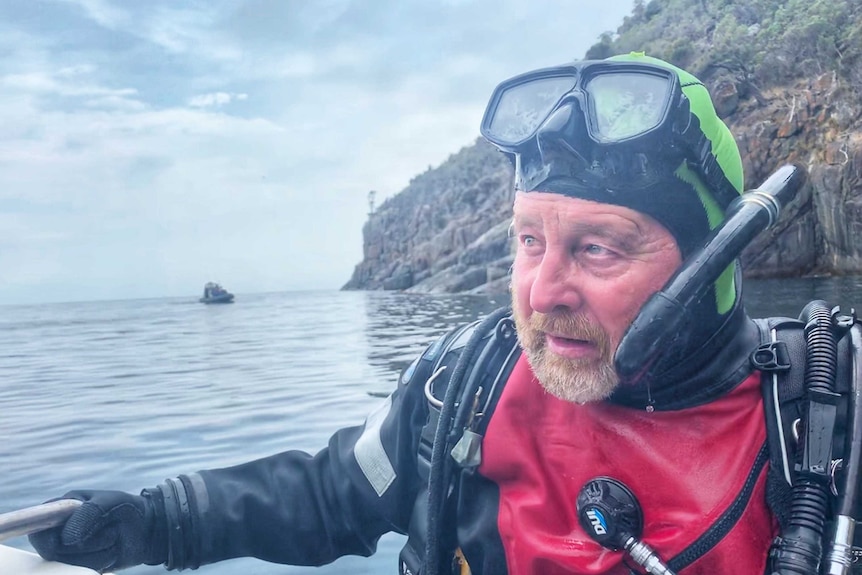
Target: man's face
[(582, 271)]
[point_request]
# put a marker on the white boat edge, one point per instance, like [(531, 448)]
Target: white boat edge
[(19, 562)]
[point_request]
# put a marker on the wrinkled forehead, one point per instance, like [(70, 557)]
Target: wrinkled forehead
[(540, 208)]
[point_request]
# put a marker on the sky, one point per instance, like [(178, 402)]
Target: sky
[(147, 147)]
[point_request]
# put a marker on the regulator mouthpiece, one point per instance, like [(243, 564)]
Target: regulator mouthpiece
[(610, 513)]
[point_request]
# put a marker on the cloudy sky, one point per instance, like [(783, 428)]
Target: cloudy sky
[(149, 146)]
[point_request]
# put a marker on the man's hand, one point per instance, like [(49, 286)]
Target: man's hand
[(111, 530)]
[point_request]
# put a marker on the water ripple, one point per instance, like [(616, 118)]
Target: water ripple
[(120, 395)]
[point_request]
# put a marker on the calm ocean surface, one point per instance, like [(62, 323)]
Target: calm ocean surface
[(122, 394)]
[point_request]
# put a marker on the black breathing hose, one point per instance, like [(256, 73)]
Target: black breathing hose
[(799, 548), (662, 317), (849, 504), (840, 557), (440, 475)]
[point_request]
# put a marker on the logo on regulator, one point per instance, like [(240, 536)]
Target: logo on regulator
[(597, 521)]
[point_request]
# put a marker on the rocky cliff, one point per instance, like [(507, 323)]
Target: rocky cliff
[(447, 231), (817, 124)]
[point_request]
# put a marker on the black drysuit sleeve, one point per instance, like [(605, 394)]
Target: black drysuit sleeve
[(301, 509)]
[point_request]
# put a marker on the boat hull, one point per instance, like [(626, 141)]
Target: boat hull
[(18, 562), (224, 298)]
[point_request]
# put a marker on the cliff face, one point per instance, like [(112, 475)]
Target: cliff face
[(447, 231), (819, 125)]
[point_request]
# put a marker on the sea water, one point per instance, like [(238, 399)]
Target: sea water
[(122, 394)]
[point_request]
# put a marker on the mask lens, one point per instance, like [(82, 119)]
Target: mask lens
[(522, 108), (627, 104)]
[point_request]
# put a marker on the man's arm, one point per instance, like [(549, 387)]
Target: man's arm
[(289, 508), (309, 510)]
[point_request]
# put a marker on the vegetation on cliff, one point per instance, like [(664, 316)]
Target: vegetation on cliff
[(786, 75), (760, 43)]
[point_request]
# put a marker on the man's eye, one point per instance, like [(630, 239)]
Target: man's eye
[(528, 240)]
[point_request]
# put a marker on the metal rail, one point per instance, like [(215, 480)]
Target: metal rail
[(37, 518)]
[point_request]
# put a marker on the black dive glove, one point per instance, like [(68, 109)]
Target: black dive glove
[(111, 530)]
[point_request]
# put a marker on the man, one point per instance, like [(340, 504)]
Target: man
[(613, 193)]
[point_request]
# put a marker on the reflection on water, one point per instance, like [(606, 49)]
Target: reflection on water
[(413, 320), (787, 297)]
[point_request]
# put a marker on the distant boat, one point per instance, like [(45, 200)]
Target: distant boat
[(214, 293)]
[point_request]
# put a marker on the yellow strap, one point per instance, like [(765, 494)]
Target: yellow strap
[(462, 561)]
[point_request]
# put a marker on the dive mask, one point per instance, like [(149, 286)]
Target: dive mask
[(601, 124)]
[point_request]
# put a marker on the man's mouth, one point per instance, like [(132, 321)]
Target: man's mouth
[(570, 347)]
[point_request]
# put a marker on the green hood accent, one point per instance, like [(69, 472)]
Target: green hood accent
[(726, 153)]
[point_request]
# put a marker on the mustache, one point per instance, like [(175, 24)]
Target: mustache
[(571, 326)]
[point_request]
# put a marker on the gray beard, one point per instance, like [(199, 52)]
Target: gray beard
[(576, 381)]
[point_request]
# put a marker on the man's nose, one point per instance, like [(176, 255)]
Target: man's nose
[(556, 284)]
